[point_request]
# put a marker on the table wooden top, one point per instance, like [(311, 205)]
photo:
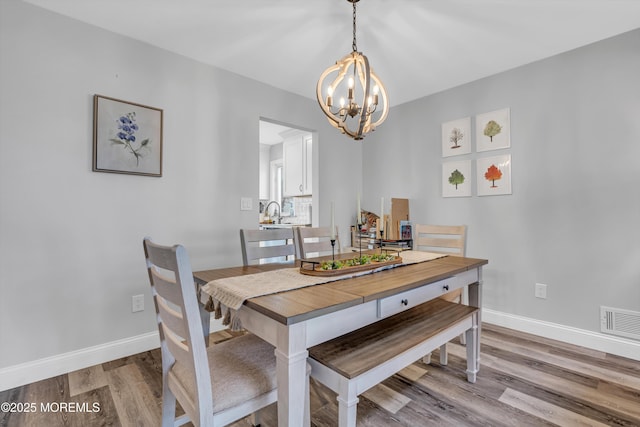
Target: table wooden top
[(305, 303)]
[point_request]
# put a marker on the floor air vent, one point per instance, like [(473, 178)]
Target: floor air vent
[(616, 321)]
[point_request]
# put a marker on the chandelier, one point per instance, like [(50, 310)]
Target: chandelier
[(363, 101)]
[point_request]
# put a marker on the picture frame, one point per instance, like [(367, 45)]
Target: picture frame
[(456, 179), (493, 130), (494, 175), (456, 137), (127, 137)]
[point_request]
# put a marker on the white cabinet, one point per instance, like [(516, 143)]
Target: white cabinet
[(297, 156), (293, 165)]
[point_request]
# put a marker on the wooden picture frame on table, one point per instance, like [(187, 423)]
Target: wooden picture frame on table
[(127, 137)]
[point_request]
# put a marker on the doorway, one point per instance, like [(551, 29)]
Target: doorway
[(286, 174)]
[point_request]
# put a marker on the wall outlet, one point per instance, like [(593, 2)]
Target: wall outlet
[(541, 290), (137, 303)]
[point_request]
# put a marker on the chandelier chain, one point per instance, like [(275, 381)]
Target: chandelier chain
[(354, 45)]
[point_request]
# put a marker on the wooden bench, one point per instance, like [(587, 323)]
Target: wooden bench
[(353, 363)]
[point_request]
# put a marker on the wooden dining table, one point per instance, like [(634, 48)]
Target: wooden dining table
[(295, 320)]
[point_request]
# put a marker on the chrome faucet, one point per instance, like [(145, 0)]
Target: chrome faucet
[(266, 209)]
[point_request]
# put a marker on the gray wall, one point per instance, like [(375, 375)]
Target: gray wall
[(71, 239), (572, 221)]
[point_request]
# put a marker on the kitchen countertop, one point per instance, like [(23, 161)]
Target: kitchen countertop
[(283, 225)]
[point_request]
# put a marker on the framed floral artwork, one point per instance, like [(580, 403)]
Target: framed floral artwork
[(493, 130), (494, 175), (456, 137), (456, 179), (127, 137)]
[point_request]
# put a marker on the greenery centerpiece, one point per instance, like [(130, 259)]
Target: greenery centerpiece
[(344, 266), (353, 262)]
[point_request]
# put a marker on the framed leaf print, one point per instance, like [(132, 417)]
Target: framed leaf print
[(127, 137), (456, 137), (494, 175), (493, 130), (456, 179)]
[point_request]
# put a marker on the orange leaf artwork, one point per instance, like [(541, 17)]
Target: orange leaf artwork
[(493, 174)]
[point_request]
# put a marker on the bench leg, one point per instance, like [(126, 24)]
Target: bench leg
[(254, 419), (347, 404), (472, 365), (443, 356), (444, 359)]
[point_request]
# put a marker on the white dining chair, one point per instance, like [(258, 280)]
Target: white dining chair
[(216, 385), (263, 246), (315, 241), (443, 239)]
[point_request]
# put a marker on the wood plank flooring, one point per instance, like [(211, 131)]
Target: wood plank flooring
[(524, 380)]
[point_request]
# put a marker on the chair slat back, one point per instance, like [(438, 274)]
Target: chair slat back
[(446, 239), (260, 245), (177, 313), (443, 239), (172, 321), (315, 241), (166, 286)]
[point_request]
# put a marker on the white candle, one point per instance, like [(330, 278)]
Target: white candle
[(381, 213), (358, 216), (333, 222)]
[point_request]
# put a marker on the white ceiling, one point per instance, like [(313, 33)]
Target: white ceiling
[(417, 47), (272, 133)]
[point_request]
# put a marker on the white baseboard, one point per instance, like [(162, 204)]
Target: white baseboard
[(610, 344), (25, 373), (29, 372)]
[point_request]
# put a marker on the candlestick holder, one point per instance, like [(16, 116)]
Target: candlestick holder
[(333, 250), (381, 238), (359, 231)]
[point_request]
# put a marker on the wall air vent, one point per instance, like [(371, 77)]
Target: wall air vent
[(616, 321)]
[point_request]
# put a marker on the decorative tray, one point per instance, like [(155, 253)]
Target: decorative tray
[(345, 266)]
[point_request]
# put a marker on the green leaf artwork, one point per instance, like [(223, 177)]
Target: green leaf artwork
[(456, 178), (492, 129)]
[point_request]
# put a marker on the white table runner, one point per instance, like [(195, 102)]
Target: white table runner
[(225, 296)]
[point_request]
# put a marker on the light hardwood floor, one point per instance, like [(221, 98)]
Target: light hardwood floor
[(524, 380)]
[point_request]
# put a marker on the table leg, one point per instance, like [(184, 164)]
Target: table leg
[(291, 365), (205, 318), (475, 300)]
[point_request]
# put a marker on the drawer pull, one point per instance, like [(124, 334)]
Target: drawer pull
[(404, 302), (445, 287)]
